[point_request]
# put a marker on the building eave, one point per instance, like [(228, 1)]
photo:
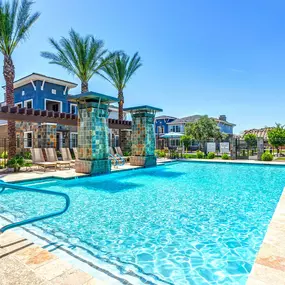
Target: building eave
[(41, 77)]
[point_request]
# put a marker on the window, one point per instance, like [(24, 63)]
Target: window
[(23, 92), (73, 140), (28, 139), (28, 104), (53, 91), (160, 129), (19, 104), (52, 105), (175, 129), (73, 108), (116, 140)]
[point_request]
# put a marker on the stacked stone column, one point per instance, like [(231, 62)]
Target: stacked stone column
[(93, 147), (143, 136)]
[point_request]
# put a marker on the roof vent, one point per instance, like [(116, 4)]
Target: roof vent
[(223, 118)]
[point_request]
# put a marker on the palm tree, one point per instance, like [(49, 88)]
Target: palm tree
[(81, 56), (16, 20), (119, 71)]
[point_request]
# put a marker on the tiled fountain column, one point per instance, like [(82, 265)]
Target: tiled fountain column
[(93, 148), (143, 136)]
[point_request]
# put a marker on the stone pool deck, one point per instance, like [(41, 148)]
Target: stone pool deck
[(24, 263), (269, 266)]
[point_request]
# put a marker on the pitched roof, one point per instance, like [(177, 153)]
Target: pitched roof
[(37, 76), (163, 117), (189, 119)]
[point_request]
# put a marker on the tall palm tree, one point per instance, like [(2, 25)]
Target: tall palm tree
[(16, 20), (119, 71), (81, 56)]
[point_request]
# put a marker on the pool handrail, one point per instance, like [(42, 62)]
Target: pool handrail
[(112, 157), (122, 163), (5, 185)]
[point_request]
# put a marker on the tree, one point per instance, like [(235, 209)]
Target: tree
[(186, 141), (276, 136), (16, 20), (80, 56), (203, 129), (250, 139), (119, 71)]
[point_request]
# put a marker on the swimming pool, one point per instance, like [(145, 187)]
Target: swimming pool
[(182, 223)]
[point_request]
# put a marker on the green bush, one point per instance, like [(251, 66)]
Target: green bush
[(200, 154), (16, 162), (211, 155), (267, 156), (189, 155), (127, 153), (160, 153), (4, 154), (225, 156), (27, 155)]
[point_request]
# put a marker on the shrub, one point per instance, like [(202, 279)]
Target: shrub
[(127, 153), (267, 156), (16, 162), (211, 155), (200, 154), (27, 155), (4, 154), (189, 155), (160, 153), (225, 156)]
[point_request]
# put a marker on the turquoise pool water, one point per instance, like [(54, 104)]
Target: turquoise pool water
[(182, 223)]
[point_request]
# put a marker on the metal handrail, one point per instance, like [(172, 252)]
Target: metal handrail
[(5, 185)]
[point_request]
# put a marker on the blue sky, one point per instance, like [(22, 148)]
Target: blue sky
[(199, 57)]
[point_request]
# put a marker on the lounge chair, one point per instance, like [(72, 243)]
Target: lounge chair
[(52, 157), (66, 155), (120, 153), (75, 153), (39, 160), (120, 160)]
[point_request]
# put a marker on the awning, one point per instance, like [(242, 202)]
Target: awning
[(172, 135)]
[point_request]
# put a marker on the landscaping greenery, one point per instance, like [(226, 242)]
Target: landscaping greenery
[(160, 153), (186, 141), (267, 156), (16, 162), (16, 19), (81, 56), (200, 154), (276, 136), (202, 130), (225, 156), (211, 155), (251, 140)]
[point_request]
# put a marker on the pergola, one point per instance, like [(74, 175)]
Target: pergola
[(44, 116)]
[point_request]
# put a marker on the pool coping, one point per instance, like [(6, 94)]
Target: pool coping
[(269, 265)]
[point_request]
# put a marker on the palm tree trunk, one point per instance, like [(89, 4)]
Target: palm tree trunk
[(121, 105), (121, 114), (84, 86), (9, 75)]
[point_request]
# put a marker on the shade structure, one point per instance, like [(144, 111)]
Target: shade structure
[(172, 135)]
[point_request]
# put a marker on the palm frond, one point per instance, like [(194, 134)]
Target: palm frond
[(119, 71), (82, 56), (15, 22)]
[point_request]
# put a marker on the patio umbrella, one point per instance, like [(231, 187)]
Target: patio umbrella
[(172, 135)]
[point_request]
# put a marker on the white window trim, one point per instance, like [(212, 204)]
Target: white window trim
[(70, 141), (71, 107), (23, 93), (16, 104), (26, 101), (25, 139), (46, 99), (53, 91)]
